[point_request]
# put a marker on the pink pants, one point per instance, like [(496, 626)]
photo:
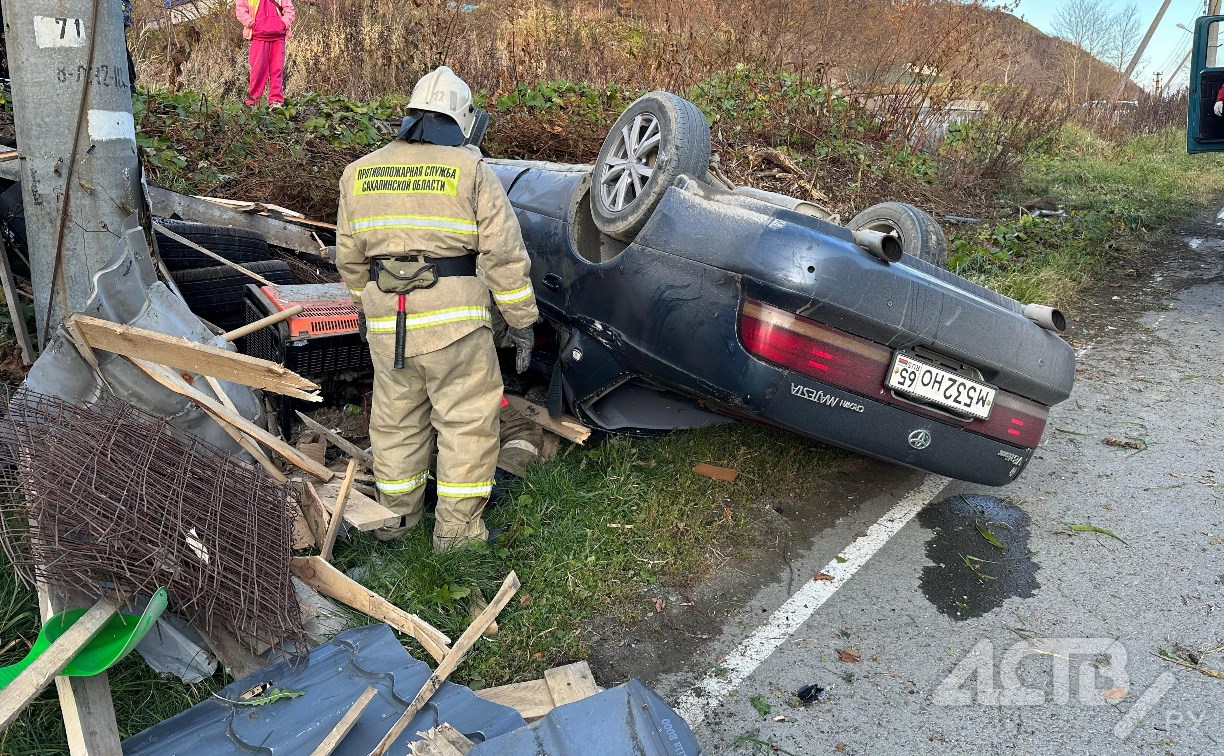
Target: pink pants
[(267, 58)]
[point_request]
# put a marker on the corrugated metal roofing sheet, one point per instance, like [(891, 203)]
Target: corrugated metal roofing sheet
[(332, 677)]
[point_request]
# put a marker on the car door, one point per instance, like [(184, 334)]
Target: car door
[(1204, 129)]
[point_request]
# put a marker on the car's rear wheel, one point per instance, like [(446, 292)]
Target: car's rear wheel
[(658, 138), (919, 233)]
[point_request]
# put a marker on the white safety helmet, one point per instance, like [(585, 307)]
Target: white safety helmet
[(441, 91)]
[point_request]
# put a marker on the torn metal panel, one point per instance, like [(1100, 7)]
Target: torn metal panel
[(127, 291), (173, 647), (331, 679), (628, 720)]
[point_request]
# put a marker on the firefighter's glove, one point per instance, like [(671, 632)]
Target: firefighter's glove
[(1219, 109), (361, 324), (523, 340)]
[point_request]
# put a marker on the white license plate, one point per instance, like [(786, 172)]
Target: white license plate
[(947, 389)]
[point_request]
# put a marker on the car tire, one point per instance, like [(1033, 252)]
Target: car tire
[(209, 291), (234, 244), (919, 232), (658, 138)]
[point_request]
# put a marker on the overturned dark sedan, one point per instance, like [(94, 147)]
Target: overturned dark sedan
[(678, 300)]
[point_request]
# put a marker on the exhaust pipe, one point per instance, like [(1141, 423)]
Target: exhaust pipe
[(1046, 317), (884, 246)]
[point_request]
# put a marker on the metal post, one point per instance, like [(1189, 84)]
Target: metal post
[(72, 108), (1130, 69)]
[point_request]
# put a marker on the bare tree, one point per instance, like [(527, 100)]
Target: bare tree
[(1124, 32), (1085, 24)]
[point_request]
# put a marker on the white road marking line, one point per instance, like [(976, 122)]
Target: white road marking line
[(782, 624)]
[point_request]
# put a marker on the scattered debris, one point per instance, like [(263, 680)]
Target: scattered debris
[(820, 576), (761, 705), (1113, 695), (1192, 660), (442, 740), (565, 426), (271, 696), (659, 603), (991, 538), (1131, 442), (343, 444), (810, 694), (849, 655), (1073, 528), (717, 473)]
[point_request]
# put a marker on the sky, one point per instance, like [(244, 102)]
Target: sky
[(1167, 48)]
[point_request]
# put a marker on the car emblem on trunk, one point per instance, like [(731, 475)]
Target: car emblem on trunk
[(920, 439)]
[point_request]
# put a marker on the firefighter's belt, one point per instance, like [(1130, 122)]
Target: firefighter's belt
[(400, 275)]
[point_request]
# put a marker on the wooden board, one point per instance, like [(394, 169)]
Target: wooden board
[(175, 383), (535, 698), (192, 357), (564, 426), (329, 581), (442, 740), (314, 514), (16, 318), (337, 512), (725, 474), (35, 678), (570, 683), (361, 511), (348, 447), (89, 712), (346, 723)]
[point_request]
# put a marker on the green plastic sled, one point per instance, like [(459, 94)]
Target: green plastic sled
[(116, 640)]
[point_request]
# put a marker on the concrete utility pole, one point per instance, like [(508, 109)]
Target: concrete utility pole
[(1130, 69), (72, 107)]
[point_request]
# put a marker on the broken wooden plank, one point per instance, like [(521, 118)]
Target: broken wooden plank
[(313, 512), (453, 658), (362, 512), (8, 155), (272, 319), (346, 723), (442, 740), (570, 683), (172, 204), (33, 679), (725, 474), (348, 447), (329, 581), (246, 442), (192, 357), (85, 702), (14, 307), (564, 426), (175, 383), (535, 698), (337, 512)]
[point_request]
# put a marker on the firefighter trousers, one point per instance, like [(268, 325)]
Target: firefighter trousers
[(454, 392)]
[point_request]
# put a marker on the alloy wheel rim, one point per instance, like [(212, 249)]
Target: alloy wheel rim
[(630, 166)]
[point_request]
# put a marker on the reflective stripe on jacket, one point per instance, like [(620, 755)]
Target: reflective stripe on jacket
[(422, 199)]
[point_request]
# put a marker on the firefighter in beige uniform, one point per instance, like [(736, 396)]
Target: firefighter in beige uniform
[(425, 234)]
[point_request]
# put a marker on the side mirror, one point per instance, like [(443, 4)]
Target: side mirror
[(1204, 129)]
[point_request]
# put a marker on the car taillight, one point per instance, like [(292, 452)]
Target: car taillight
[(813, 349), (835, 357)]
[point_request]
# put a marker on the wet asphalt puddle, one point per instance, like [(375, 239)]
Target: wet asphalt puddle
[(980, 554)]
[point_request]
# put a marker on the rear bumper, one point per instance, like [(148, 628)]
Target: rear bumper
[(840, 417)]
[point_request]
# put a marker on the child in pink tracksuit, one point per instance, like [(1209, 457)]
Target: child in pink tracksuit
[(267, 24)]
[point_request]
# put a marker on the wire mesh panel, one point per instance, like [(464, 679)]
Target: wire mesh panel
[(111, 497)]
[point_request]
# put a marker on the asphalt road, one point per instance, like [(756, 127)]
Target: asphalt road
[(932, 639)]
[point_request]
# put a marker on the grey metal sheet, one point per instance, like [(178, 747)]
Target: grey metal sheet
[(332, 677)]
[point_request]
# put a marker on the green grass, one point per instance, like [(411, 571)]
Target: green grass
[(1119, 199)]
